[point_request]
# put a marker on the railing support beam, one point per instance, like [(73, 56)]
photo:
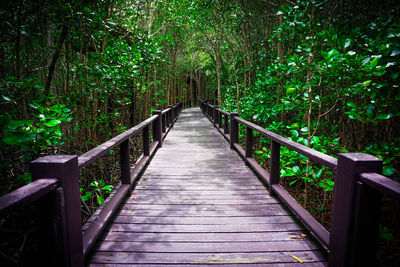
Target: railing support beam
[(157, 134), (249, 142), (125, 162), (275, 165), (234, 139)]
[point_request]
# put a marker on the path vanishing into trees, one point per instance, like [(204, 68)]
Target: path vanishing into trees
[(198, 203)]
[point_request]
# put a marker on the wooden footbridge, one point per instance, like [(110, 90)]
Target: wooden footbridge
[(196, 197)]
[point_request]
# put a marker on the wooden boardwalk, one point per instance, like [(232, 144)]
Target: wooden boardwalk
[(199, 204)]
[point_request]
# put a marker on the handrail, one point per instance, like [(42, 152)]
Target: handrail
[(357, 193), (223, 112), (93, 154), (26, 194), (382, 184), (313, 154)]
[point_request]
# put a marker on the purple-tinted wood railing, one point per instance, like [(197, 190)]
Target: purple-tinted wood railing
[(55, 191), (357, 193)]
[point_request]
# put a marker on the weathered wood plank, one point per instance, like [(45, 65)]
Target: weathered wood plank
[(204, 237), (206, 228), (216, 247), (208, 258), (313, 264), (198, 207), (216, 220), (199, 213)]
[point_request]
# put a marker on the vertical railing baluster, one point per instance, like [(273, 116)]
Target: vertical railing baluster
[(348, 215), (163, 122), (249, 142), (225, 124), (170, 120), (146, 141), (215, 115), (68, 251), (157, 135), (275, 165), (220, 119), (234, 129), (125, 163)]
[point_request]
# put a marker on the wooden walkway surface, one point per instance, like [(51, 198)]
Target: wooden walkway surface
[(199, 204)]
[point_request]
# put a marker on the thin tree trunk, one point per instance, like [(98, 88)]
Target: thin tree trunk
[(61, 39)]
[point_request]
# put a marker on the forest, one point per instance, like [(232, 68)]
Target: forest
[(325, 74)]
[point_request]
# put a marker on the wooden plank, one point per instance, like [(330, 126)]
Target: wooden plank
[(216, 247), (180, 187), (313, 264), (199, 196), (180, 201), (208, 258), (205, 228), (212, 220), (204, 237), (167, 212), (197, 207)]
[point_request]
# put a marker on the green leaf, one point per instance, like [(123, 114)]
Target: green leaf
[(384, 116), (304, 129), (395, 52), (33, 106), (100, 200), (347, 43), (351, 104), (365, 61), (296, 169), (6, 98), (374, 62), (366, 83), (52, 123), (87, 196), (290, 90)]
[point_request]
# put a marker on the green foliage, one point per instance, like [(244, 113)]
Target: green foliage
[(96, 189), (40, 133)]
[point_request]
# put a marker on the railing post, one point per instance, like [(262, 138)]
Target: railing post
[(275, 165), (170, 120), (175, 108), (146, 141), (157, 135), (225, 124), (249, 141), (215, 115), (163, 122), (125, 162), (64, 247), (350, 220), (234, 129)]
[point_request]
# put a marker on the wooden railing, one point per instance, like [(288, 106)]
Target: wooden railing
[(55, 191), (358, 190)]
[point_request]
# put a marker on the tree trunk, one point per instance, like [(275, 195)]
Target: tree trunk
[(63, 36)]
